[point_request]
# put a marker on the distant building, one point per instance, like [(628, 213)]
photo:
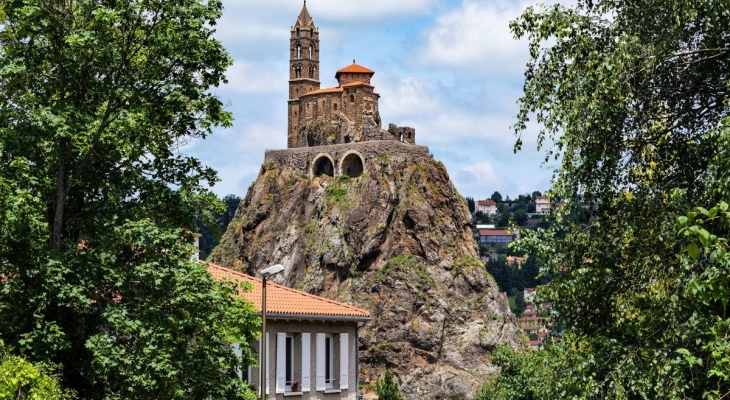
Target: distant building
[(529, 294), (487, 236), (488, 207), (542, 205), (514, 261), (486, 226)]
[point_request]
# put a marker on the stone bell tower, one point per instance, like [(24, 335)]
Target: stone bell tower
[(303, 67)]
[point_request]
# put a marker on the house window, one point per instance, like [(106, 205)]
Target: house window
[(333, 359), (329, 369), (289, 367), (352, 98), (292, 362)]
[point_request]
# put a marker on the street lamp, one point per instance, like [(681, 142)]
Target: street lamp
[(265, 273)]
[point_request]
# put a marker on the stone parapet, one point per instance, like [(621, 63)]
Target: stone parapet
[(301, 159)]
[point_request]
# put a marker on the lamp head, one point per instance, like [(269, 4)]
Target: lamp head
[(273, 270)]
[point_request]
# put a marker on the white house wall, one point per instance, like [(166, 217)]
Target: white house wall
[(298, 327)]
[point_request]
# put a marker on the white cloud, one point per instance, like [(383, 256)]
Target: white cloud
[(476, 37), (335, 10), (439, 119), (257, 78)]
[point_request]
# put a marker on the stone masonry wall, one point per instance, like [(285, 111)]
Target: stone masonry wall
[(300, 159)]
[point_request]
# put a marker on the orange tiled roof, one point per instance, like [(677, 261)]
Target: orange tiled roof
[(354, 69), (283, 301), (321, 91), (357, 83), (494, 232)]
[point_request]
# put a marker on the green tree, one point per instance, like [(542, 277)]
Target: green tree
[(520, 217), (497, 197), (211, 232), (497, 267), (21, 380), (520, 304), (387, 388), (471, 204), (634, 97), (96, 99)]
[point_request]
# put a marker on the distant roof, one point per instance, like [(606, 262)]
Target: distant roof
[(486, 203), (322, 91), (282, 301), (354, 69), (358, 83), (494, 232)]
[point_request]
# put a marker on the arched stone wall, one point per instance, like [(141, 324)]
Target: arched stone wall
[(300, 159), (322, 165), (352, 164)]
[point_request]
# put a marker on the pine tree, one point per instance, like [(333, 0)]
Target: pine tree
[(387, 388)]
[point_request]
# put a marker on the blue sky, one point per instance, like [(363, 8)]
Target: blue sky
[(448, 68)]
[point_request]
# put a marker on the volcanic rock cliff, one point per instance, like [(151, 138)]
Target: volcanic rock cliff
[(396, 241)]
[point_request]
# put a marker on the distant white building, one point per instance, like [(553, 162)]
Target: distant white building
[(488, 207), (542, 205)]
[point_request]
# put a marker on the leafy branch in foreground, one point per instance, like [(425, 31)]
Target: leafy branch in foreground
[(632, 99), (99, 205)]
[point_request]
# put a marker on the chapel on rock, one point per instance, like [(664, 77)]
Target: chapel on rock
[(348, 112), (335, 131)]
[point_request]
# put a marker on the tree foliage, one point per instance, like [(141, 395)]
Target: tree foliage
[(21, 380), (471, 204), (96, 98), (387, 388), (631, 98), (212, 230)]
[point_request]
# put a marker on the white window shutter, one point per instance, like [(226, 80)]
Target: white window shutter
[(237, 351), (280, 362), (320, 361), (268, 363), (344, 360), (259, 368), (306, 356)]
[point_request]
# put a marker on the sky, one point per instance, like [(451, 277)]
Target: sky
[(449, 68)]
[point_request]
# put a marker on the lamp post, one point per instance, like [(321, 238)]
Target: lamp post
[(265, 273)]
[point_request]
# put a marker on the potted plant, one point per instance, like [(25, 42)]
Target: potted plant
[(295, 385)]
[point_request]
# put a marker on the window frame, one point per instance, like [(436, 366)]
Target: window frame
[(289, 359), (329, 360)]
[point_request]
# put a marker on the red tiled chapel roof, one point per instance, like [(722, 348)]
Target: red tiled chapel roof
[(354, 69)]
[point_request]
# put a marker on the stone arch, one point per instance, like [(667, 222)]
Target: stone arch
[(352, 164), (322, 165)]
